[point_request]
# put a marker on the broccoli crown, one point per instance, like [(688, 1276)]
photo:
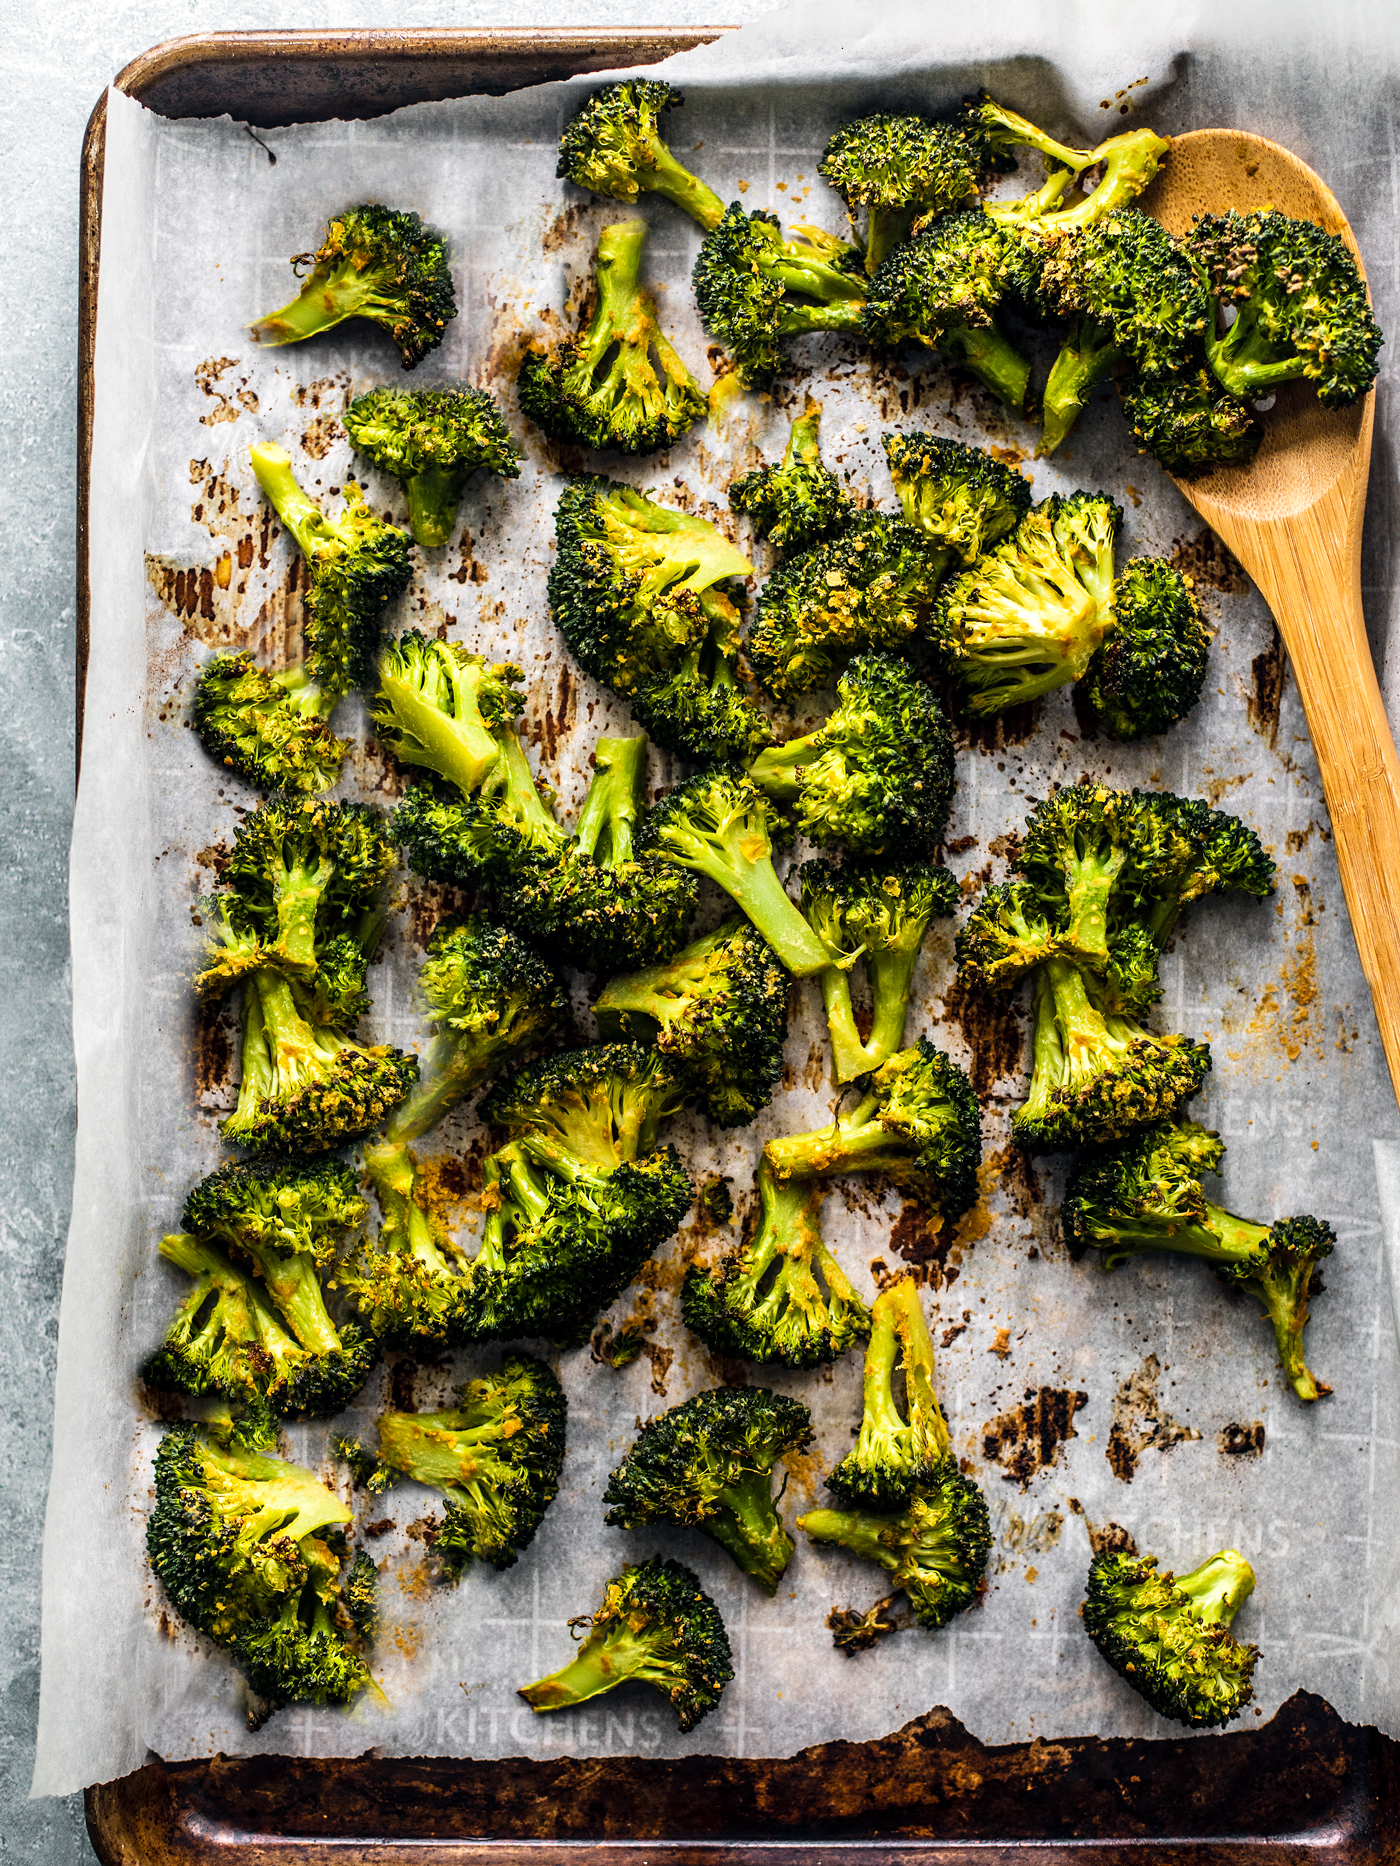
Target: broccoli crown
[(719, 1010), (878, 774), (701, 710), (900, 169), (433, 440), (754, 288), (918, 1125), (1169, 1636), (376, 262), (1214, 853), (598, 1106), (1012, 929), (437, 705), (471, 843), (268, 728), (338, 992), (617, 384), (613, 146), (869, 589), (894, 1455), (1128, 277), (1190, 424), (800, 501), (935, 1548), (766, 1301), (1104, 853), (706, 1465), (496, 1456), (1301, 306), (636, 586), (302, 870), (302, 1658), (656, 1625), (959, 495), (289, 1207), (1097, 1073), (1150, 671)]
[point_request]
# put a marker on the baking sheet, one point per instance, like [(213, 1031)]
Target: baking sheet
[(198, 224)]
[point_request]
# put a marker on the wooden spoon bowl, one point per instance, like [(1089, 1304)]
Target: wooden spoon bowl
[(1293, 519)]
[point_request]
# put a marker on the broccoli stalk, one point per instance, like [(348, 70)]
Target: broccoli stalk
[(894, 1456), (378, 263), (800, 501), (436, 705), (1128, 163), (655, 1625), (707, 1465), (766, 1302), (935, 1547), (433, 440), (1168, 1635), (613, 146)]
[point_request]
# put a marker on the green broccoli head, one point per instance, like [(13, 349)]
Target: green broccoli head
[(433, 440), (302, 1658), (375, 262), (1300, 303), (754, 289), (655, 1625), (1013, 928), (781, 1299), (800, 501), (302, 871), (707, 1465), (719, 1010), (867, 590), (1104, 853), (618, 385), (439, 706), (1190, 424), (272, 1209), (1149, 673), (614, 146), (356, 565), (895, 1455), (877, 775), (1212, 852), (269, 728), (1169, 1636), (959, 495), (917, 1125), (900, 169)]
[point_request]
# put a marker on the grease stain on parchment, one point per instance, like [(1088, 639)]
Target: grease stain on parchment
[(1141, 1422)]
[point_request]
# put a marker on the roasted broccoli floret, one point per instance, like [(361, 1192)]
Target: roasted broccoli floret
[(618, 384), (1145, 1195), (237, 1540), (375, 262), (1124, 165), (900, 170), (942, 289), (1190, 425), (754, 288), (1149, 673), (1102, 853), (868, 589), (356, 564), (877, 774), (1013, 928), (656, 1625), (800, 501), (917, 1125), (879, 914), (269, 727), (433, 440), (613, 146), (496, 1457), (1169, 1635), (1215, 853), (707, 1465), (1029, 614), (721, 825), (765, 1301), (935, 1547), (438, 706), (960, 496), (718, 1009), (895, 1454), (1300, 304)]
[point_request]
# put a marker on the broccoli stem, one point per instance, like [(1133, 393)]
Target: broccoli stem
[(1084, 1039), (294, 1286), (433, 498), (1281, 1287), (1219, 1587), (407, 1227), (297, 511), (803, 441), (991, 358), (675, 183), (331, 294), (916, 1346), (1086, 357), (841, 314), (257, 1078), (522, 806), (604, 1660), (863, 1534), (856, 1143), (608, 819), (1245, 361), (891, 970), (297, 888), (746, 1526), (849, 1056), (458, 746), (740, 861), (788, 1234), (452, 1072)]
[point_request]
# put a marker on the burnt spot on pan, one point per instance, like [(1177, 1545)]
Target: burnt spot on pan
[(1027, 1439)]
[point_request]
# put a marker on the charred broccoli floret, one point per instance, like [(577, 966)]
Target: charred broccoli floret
[(718, 1009), (433, 440), (707, 1465), (917, 1124), (1145, 1195), (1169, 1635), (754, 289), (879, 914), (1013, 928), (877, 774), (1149, 673), (960, 496), (1103, 853), (614, 146), (495, 1456), (1215, 853), (375, 262), (617, 385), (900, 170), (1190, 425), (800, 501), (721, 825), (269, 727), (765, 1301), (655, 1625), (895, 1454), (1300, 304)]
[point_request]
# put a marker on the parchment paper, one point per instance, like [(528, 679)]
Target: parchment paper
[(1147, 1400)]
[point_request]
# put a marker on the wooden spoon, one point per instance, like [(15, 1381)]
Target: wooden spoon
[(1293, 519)]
